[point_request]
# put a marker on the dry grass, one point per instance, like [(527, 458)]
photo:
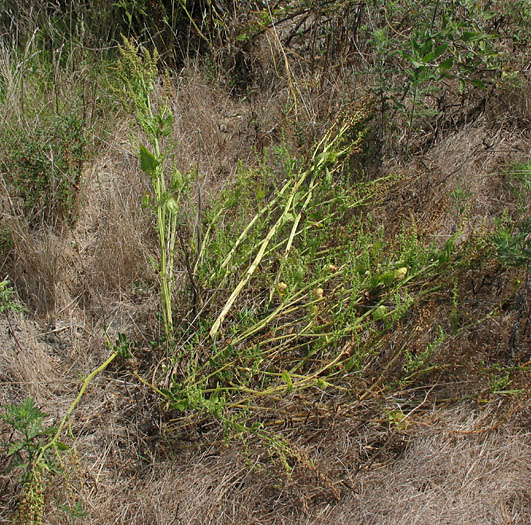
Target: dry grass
[(447, 468)]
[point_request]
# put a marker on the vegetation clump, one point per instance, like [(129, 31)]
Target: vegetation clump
[(305, 226)]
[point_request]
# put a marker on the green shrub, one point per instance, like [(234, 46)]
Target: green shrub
[(43, 168)]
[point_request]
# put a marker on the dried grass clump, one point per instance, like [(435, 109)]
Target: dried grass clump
[(37, 267), (28, 367), (459, 183), (447, 476), (444, 470)]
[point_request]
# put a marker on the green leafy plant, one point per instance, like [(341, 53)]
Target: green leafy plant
[(307, 287), (8, 302), (137, 72), (512, 238), (446, 44), (36, 450), (27, 420), (31, 455), (501, 380), (420, 361), (513, 243), (43, 167)]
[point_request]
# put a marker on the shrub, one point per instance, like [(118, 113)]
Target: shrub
[(43, 168)]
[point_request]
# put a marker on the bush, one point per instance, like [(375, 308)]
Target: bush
[(43, 168)]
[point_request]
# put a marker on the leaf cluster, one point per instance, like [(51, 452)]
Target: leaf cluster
[(26, 419)]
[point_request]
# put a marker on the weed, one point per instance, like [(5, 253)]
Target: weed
[(328, 288), (43, 168), (37, 450), (512, 238), (519, 182), (27, 420), (448, 43), (418, 362), (31, 456), (513, 242), (500, 381), (137, 72), (8, 303)]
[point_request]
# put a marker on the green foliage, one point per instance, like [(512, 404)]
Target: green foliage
[(137, 73), (513, 236), (8, 302), (31, 457), (36, 449), (316, 287), (75, 512), (501, 379), (446, 44), (121, 346), (303, 287), (419, 362), (43, 167), (513, 243), (27, 420)]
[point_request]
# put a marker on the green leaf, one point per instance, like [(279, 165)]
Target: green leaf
[(148, 161), (387, 278), (181, 405), (177, 180), (164, 123), (328, 177), (287, 379), (446, 65), (61, 446), (15, 447), (75, 512), (379, 313), (426, 48), (436, 53), (260, 193), (470, 36), (406, 55)]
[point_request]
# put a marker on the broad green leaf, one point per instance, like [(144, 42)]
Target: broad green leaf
[(446, 65), (426, 48), (414, 44), (181, 405), (436, 53), (148, 161), (407, 56)]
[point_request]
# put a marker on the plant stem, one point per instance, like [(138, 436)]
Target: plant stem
[(86, 382)]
